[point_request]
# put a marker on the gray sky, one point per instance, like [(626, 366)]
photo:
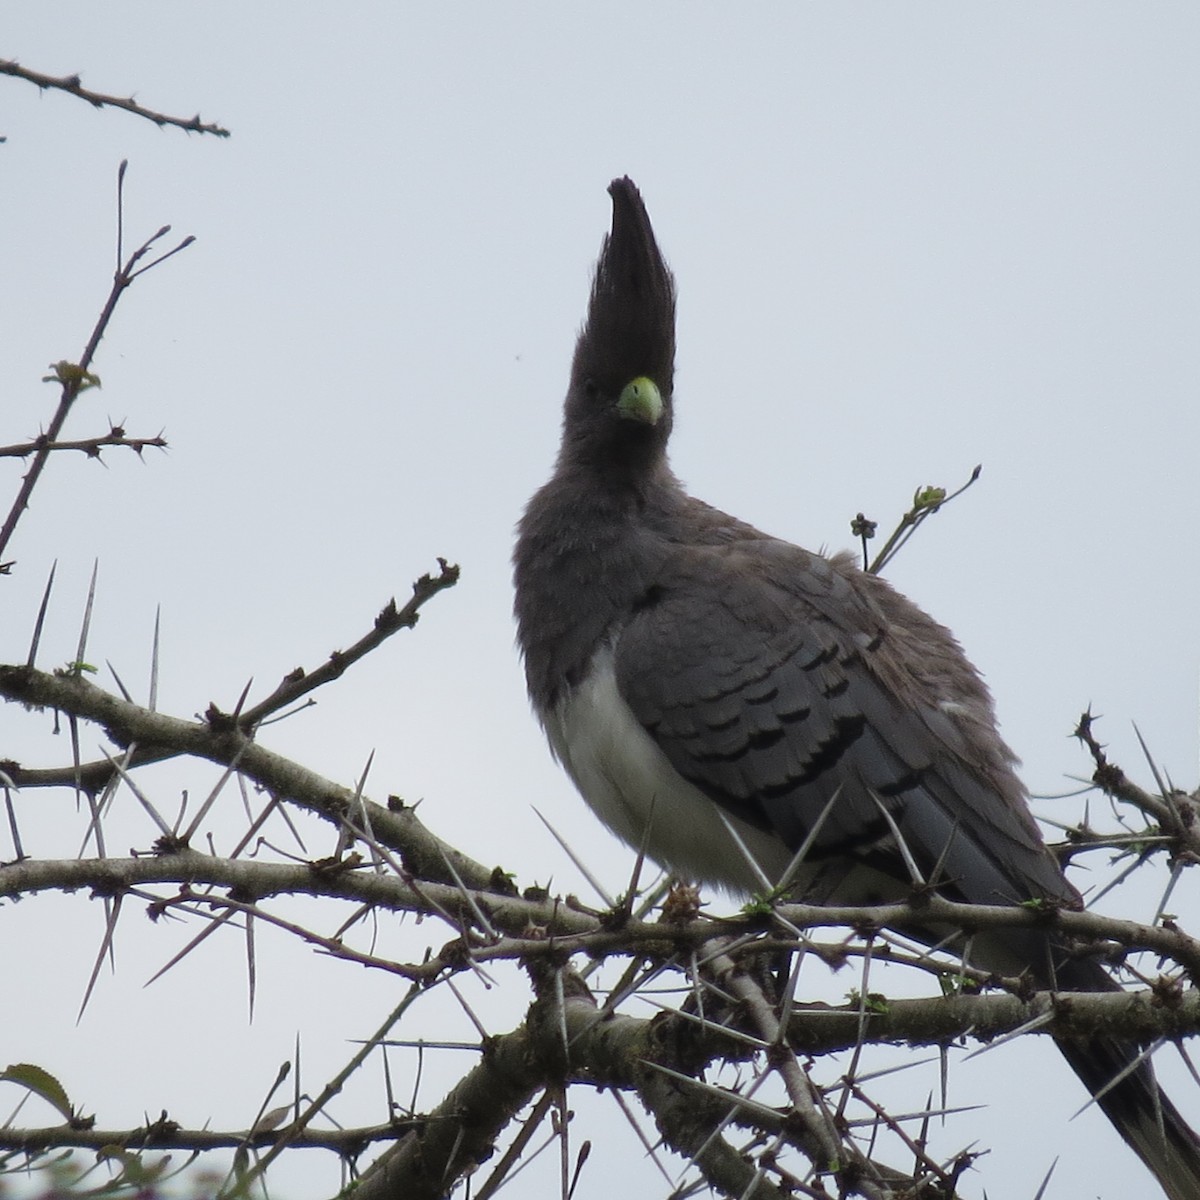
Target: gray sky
[(908, 238)]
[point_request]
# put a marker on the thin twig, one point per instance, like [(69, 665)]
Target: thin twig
[(73, 85), (926, 501), (75, 378), (91, 447), (388, 622)]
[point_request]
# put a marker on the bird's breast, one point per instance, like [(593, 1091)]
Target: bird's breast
[(633, 788)]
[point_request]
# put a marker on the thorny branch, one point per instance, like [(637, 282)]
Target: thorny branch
[(166, 1134), (149, 736), (530, 927), (490, 923), (91, 447), (76, 377), (73, 85), (1176, 814), (390, 620)]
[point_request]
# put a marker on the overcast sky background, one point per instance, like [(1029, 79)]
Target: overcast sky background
[(908, 238)]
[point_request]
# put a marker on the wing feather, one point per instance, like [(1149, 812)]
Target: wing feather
[(774, 679)]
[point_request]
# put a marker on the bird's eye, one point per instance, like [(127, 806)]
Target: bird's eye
[(591, 389)]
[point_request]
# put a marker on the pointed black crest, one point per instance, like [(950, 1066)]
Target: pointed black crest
[(630, 327)]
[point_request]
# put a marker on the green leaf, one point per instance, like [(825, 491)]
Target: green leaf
[(136, 1171), (872, 1002), (40, 1083), (79, 667), (70, 374)]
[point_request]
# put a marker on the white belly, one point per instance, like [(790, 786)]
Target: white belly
[(631, 785)]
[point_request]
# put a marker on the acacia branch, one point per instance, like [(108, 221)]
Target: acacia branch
[(75, 378), (634, 1054), (562, 931), (809, 1125), (165, 1134), (606, 1049), (88, 446), (73, 85), (461, 1131), (1142, 1016), (391, 620), (160, 736), (1175, 813), (96, 775), (648, 1056)]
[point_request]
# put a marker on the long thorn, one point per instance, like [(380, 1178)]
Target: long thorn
[(152, 703), (86, 624), (41, 617)]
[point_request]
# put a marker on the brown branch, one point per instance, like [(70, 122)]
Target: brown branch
[(1167, 940), (609, 1049), (89, 446), (1176, 814), (691, 1125), (159, 736), (1141, 1016), (391, 620), (606, 1050), (816, 1134), (73, 85), (189, 870), (1109, 777), (462, 1130), (562, 931), (165, 1134), (662, 1060), (75, 378), (95, 776)]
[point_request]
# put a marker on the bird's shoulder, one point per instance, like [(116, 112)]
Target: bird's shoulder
[(710, 565), (729, 607)]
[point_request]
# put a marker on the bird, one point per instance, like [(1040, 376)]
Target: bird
[(724, 699)]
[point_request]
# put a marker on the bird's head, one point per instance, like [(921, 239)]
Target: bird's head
[(619, 405)]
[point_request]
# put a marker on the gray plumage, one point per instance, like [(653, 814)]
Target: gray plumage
[(717, 694)]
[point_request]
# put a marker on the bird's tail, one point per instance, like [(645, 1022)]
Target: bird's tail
[(1136, 1105), (1140, 1112)]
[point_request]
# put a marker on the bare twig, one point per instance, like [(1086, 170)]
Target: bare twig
[(91, 447), (1177, 815), (926, 501), (75, 378), (391, 620), (73, 85), (165, 1134)]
